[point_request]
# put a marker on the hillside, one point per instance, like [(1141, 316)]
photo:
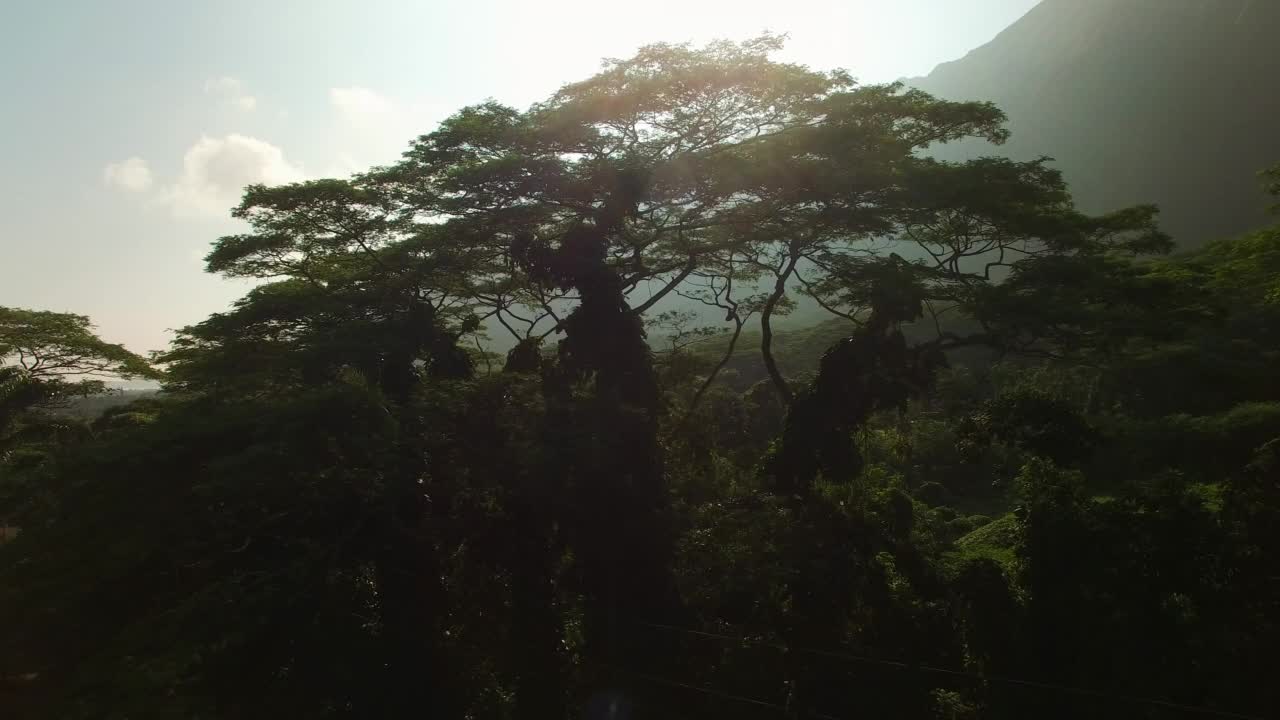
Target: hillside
[(799, 348), (1140, 101), (89, 408)]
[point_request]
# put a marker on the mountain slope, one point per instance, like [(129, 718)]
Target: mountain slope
[(1173, 102)]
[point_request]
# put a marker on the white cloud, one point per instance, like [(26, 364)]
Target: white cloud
[(363, 107), (375, 128), (344, 165), (132, 175), (230, 90), (216, 170), (224, 85)]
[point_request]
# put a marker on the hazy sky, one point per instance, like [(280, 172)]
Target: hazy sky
[(128, 127)]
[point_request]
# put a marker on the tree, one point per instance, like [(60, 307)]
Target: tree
[(357, 288), (674, 164), (215, 561), (677, 166), (47, 357)]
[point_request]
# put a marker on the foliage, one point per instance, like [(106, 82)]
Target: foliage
[(987, 488), (47, 358)]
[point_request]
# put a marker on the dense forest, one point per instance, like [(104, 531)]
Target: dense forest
[(509, 429)]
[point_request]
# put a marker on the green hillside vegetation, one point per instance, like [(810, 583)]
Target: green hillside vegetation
[(799, 349), (90, 407), (995, 540)]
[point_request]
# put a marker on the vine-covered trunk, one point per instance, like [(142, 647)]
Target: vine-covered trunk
[(537, 629), (869, 371), (419, 678), (537, 621), (623, 544)]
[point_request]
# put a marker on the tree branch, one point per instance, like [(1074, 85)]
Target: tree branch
[(656, 297)]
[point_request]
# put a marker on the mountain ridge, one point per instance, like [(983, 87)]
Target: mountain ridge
[(1139, 101)]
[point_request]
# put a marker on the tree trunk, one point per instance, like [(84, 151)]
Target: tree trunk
[(536, 627), (715, 372), (621, 538), (766, 330), (420, 679)]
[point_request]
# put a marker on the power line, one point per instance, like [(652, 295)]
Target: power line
[(1166, 704), (717, 693)]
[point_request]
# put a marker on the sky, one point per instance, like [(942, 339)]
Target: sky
[(128, 128)]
